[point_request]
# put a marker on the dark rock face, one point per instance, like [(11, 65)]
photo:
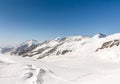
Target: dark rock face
[(23, 49), (66, 51), (109, 44), (32, 53), (100, 35), (63, 52)]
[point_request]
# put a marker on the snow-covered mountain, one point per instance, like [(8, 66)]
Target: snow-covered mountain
[(21, 48), (59, 46), (99, 35), (69, 60), (64, 46)]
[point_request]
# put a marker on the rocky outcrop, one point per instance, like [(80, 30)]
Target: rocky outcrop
[(109, 44), (99, 35)]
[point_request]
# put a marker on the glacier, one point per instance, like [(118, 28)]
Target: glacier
[(68, 60)]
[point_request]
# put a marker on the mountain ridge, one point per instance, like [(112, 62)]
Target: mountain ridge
[(62, 46)]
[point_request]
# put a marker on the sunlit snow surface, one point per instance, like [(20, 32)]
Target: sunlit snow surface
[(84, 66)]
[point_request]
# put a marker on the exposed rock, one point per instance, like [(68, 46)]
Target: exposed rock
[(99, 35), (65, 51), (109, 44)]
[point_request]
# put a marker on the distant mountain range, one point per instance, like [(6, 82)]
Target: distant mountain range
[(64, 46)]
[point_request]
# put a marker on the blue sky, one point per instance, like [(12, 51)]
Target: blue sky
[(22, 20)]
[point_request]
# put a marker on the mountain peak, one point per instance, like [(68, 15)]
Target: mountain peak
[(99, 35), (31, 42)]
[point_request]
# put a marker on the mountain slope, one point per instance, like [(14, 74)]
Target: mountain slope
[(81, 62), (21, 48), (65, 46)]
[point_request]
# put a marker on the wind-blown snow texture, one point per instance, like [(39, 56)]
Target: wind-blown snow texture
[(69, 60)]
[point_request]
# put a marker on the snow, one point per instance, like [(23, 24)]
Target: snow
[(66, 70), (81, 66), (99, 35)]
